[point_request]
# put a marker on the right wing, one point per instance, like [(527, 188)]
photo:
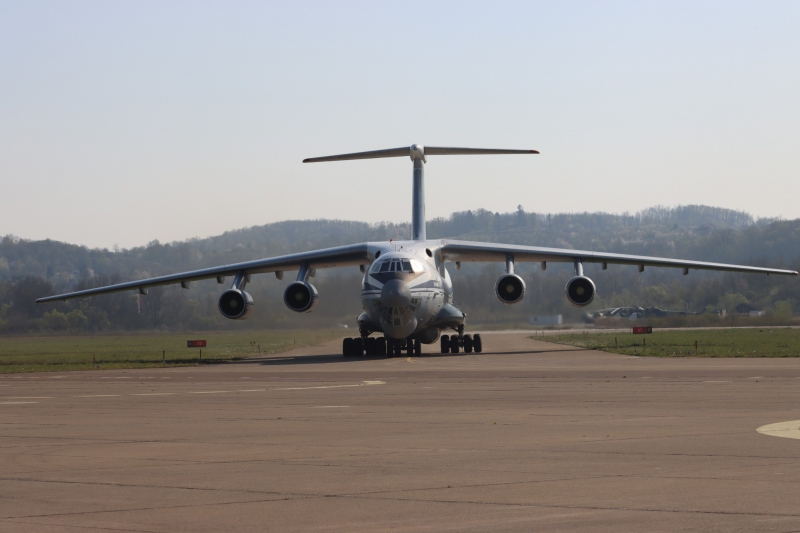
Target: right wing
[(353, 255)]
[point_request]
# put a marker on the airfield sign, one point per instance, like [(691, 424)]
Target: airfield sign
[(640, 330), (195, 344)]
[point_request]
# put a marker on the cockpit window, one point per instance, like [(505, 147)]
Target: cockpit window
[(397, 265)]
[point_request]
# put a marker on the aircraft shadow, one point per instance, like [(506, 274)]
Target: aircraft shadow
[(338, 358)]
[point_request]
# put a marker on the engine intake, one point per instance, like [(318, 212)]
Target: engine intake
[(510, 289), (301, 297), (580, 291), (235, 304)]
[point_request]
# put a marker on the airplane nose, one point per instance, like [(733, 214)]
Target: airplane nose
[(395, 293)]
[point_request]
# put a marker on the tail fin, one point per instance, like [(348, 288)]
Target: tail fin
[(417, 154)]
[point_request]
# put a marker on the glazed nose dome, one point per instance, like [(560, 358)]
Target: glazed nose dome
[(395, 293)]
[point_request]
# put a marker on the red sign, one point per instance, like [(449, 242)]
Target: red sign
[(195, 344), (639, 330)]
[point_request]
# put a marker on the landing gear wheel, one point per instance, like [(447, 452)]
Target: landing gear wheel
[(417, 347), (390, 348), (454, 347), (409, 347), (445, 343), (468, 344), (358, 347), (398, 349), (347, 347), (371, 345), (380, 346), (476, 343)]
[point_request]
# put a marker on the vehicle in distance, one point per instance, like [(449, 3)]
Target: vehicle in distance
[(407, 293)]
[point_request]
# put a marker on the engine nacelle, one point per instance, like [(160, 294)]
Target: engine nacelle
[(301, 297), (510, 289), (235, 304), (580, 291)]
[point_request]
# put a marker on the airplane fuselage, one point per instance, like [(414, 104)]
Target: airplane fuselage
[(407, 292)]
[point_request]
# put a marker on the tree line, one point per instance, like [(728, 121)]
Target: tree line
[(31, 269)]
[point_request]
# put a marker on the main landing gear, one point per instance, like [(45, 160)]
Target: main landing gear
[(377, 346), (454, 343)]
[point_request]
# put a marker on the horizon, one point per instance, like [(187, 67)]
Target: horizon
[(541, 215)]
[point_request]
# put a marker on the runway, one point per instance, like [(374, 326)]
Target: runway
[(525, 436)]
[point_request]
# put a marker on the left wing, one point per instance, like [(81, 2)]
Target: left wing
[(467, 251), (356, 254)]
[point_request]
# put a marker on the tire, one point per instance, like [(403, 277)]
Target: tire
[(347, 347), (398, 349), (468, 344), (358, 347), (389, 348), (477, 344), (371, 346), (445, 343), (380, 346), (454, 347), (409, 347), (417, 347)]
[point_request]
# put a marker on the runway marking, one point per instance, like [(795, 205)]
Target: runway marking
[(789, 430), (365, 383), (362, 384), (718, 382), (28, 397)]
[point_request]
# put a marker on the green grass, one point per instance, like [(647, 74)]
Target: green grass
[(58, 353), (745, 342)]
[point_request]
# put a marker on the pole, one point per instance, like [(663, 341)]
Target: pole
[(163, 357), (695, 347), (201, 354)]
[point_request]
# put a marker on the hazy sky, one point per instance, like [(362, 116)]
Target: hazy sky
[(123, 122)]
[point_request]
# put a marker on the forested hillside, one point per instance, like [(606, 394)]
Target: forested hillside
[(30, 269)]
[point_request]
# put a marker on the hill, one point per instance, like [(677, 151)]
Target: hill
[(29, 269)]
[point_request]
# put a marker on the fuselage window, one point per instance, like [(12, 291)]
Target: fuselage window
[(407, 266), (385, 266)]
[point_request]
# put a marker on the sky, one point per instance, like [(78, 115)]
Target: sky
[(124, 122)]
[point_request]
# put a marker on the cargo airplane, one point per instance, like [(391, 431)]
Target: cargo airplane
[(406, 292)]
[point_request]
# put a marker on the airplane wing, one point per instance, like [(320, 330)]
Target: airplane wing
[(356, 254), (467, 251)]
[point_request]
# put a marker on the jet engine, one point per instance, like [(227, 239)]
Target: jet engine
[(301, 297), (235, 304), (510, 289), (580, 291)]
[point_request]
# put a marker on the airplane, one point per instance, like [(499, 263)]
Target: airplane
[(407, 292)]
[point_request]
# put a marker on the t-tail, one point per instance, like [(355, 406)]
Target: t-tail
[(417, 152)]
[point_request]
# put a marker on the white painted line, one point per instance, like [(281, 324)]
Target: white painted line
[(208, 392), (155, 394), (718, 382), (28, 397), (336, 386), (327, 406), (252, 390), (14, 403), (96, 396), (789, 430)]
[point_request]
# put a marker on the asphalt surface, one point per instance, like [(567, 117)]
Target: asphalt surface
[(526, 436)]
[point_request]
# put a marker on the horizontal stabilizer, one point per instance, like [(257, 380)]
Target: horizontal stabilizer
[(417, 150)]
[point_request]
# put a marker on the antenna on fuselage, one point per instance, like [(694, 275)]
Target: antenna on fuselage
[(417, 152)]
